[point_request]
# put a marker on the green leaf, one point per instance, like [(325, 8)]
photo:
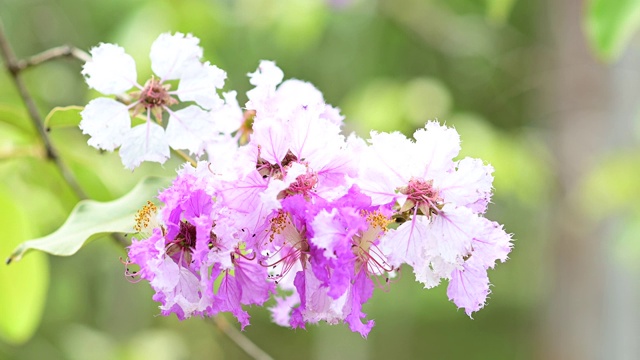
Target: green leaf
[(23, 287), (498, 10), (17, 119), (18, 137), (91, 219), (610, 24), (63, 116)]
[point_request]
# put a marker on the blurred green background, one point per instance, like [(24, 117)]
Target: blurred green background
[(517, 79)]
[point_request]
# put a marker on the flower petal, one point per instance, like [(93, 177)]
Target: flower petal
[(469, 287), (267, 74), (469, 185), (190, 128), (405, 244), (110, 71), (450, 233), (229, 117), (281, 311), (265, 80), (436, 146), (106, 121), (172, 54), (199, 83), (144, 142)]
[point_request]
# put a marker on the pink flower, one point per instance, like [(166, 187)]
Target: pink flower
[(439, 203)]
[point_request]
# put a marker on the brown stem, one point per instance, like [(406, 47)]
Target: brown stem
[(14, 67), (51, 54), (239, 339), (186, 157), (120, 239)]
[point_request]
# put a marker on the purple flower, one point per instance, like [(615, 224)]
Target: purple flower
[(295, 206), (174, 258), (439, 203)]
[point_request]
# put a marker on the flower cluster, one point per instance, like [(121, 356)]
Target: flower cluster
[(173, 57), (285, 205)]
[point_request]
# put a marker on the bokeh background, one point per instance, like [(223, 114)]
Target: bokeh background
[(518, 79)]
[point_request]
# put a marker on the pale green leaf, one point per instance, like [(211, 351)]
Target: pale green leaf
[(610, 25), (23, 287), (63, 116), (17, 118), (498, 10), (90, 219), (18, 137)]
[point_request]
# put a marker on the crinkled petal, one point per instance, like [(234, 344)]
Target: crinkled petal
[(243, 194), (106, 121), (361, 291), (265, 79), (378, 185), (110, 70), (229, 117), (491, 243), (281, 311), (199, 83), (405, 244), (328, 232), (319, 305), (332, 115), (269, 196), (450, 233), (313, 139), (436, 146), (145, 142), (228, 299), (252, 278), (171, 54), (425, 275), (267, 74), (392, 153), (386, 165), (470, 185), (190, 128), (273, 139), (185, 293), (294, 94), (167, 276), (469, 287), (144, 252), (220, 155)]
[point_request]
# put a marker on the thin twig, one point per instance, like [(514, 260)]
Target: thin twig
[(186, 157), (51, 54), (239, 339), (120, 239), (13, 66)]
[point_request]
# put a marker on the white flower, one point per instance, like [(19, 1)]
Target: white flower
[(173, 57)]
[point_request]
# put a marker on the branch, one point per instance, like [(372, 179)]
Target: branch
[(239, 339), (51, 54), (14, 66), (186, 157)]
